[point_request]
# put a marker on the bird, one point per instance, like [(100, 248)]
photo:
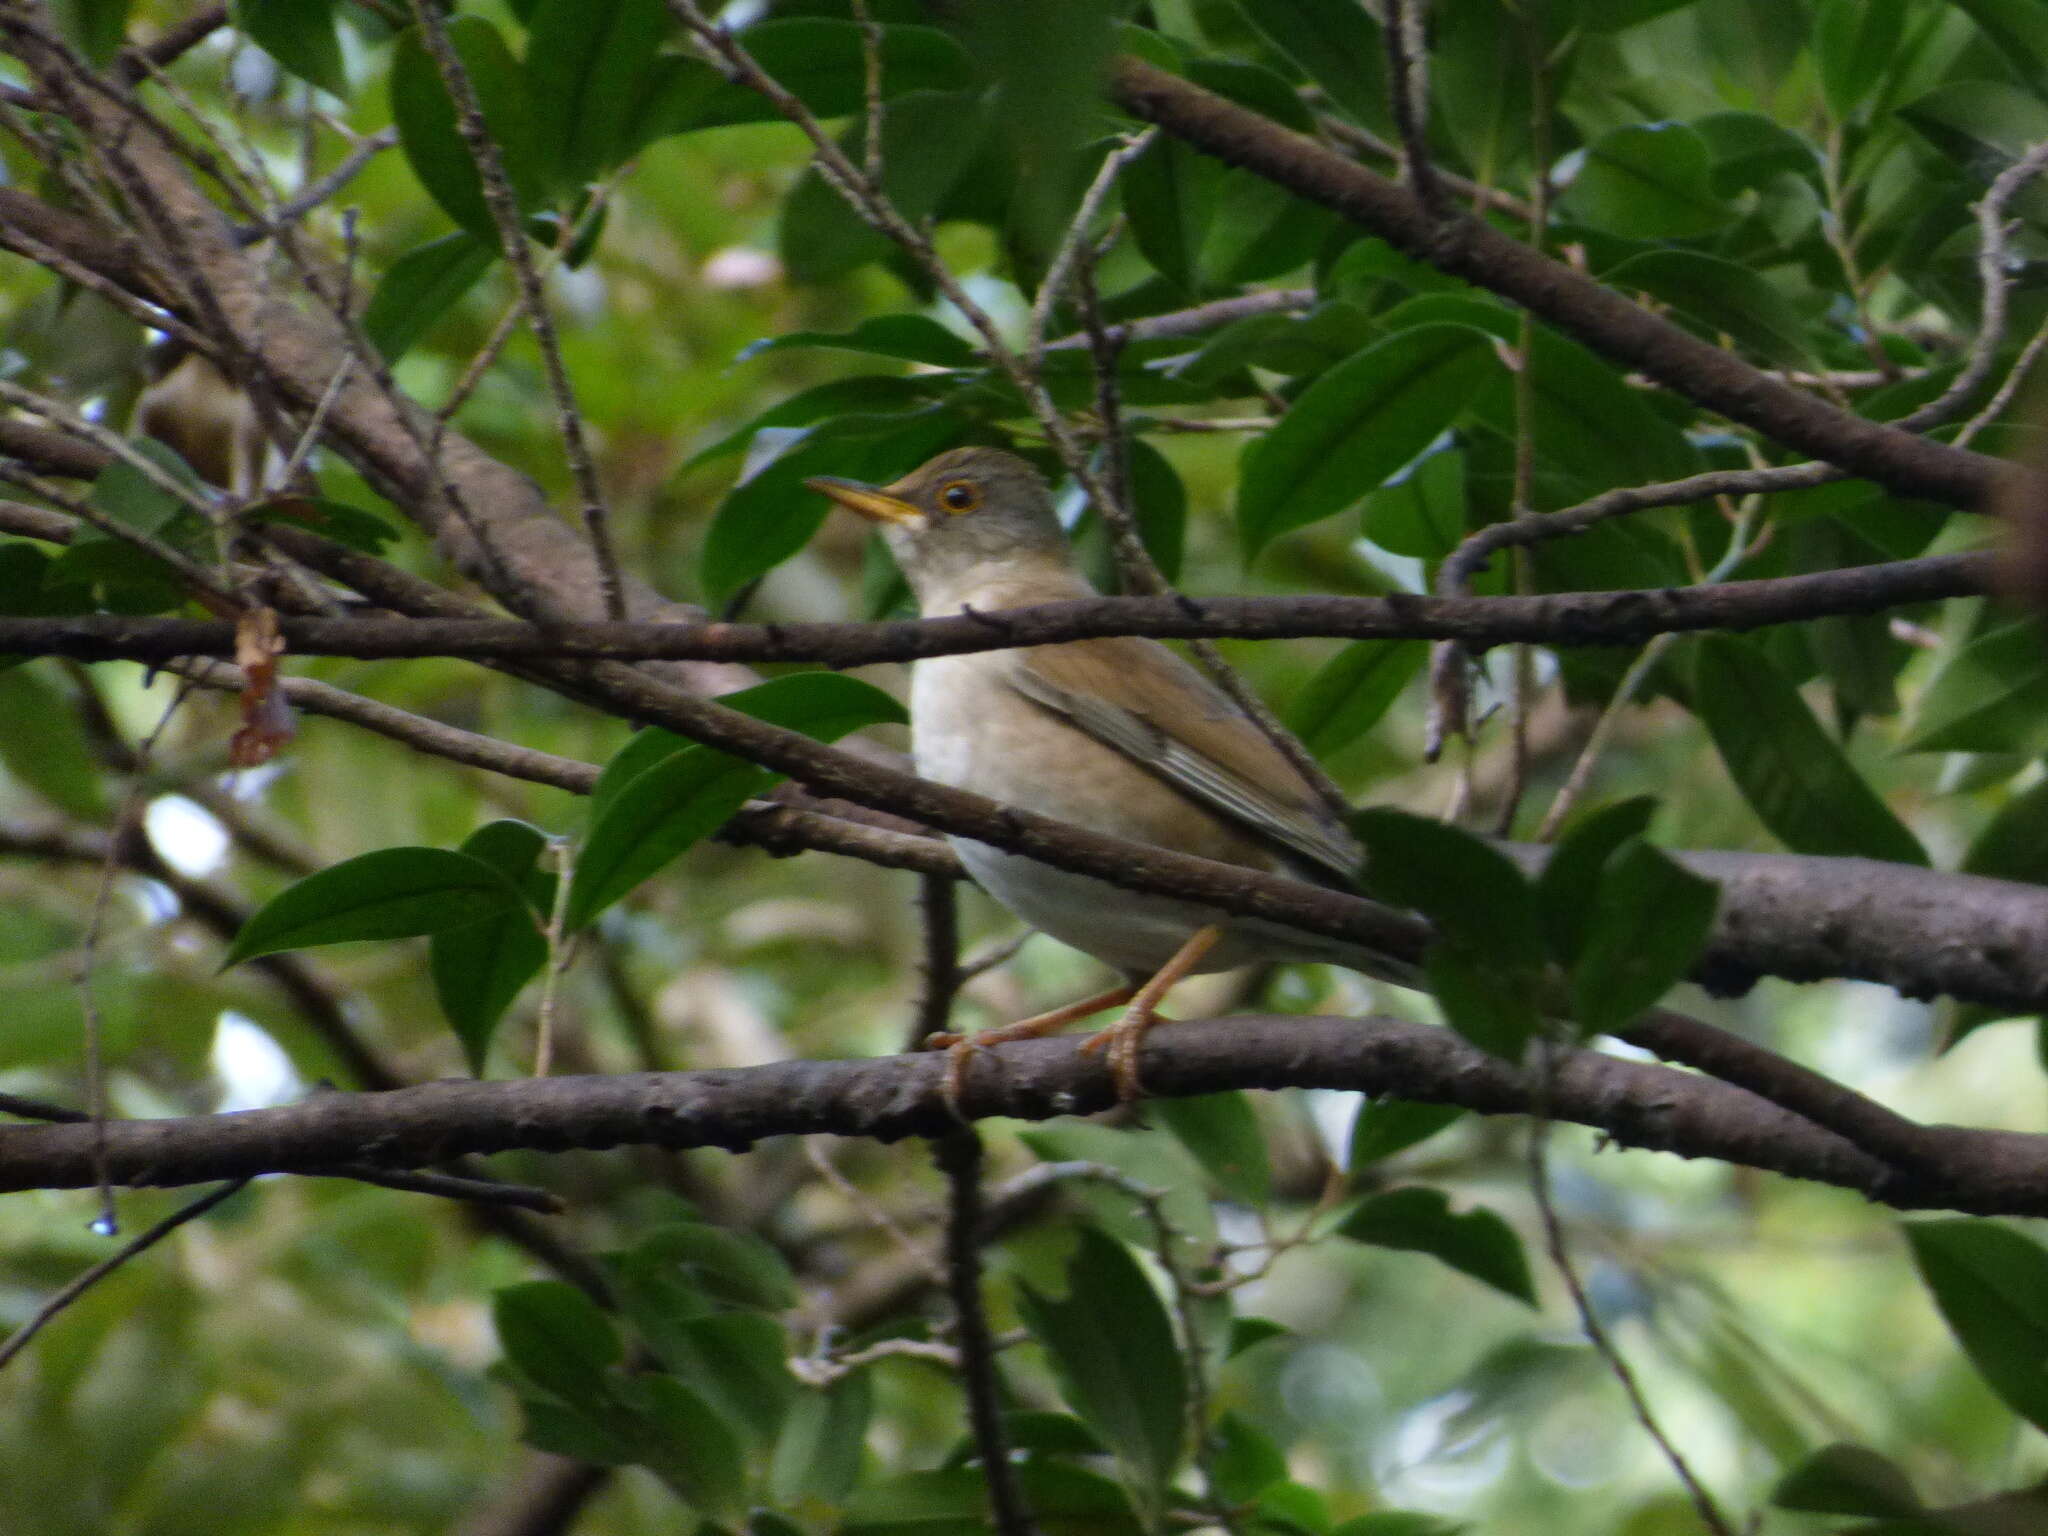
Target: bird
[(1119, 735)]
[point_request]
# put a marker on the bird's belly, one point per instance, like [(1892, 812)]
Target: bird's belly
[(1132, 931), (1010, 758)]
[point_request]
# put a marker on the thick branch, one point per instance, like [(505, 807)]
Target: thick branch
[(1625, 617), (1636, 1104), (1622, 331)]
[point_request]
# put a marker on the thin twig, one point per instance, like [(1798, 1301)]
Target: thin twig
[(1072, 243), (317, 192), (1408, 96), (504, 208), (18, 1340)]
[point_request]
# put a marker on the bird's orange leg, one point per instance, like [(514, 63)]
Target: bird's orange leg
[(1123, 1038), (960, 1048)]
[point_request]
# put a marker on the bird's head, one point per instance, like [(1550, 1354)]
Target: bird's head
[(960, 517)]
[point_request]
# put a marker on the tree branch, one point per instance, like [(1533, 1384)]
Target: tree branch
[(1636, 1104)]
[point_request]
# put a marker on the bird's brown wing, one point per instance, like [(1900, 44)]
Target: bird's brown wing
[(1138, 698)]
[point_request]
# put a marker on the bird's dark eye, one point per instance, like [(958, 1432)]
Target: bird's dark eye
[(960, 496)]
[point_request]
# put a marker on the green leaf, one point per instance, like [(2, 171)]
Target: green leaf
[(1647, 181), (1794, 776), (732, 1268), (588, 64), (346, 525), (1387, 1126), (96, 26), (1356, 425), (818, 1455), (558, 1339), (822, 62), (1649, 919), (1570, 882), (738, 1362), (771, 516), (1847, 1480), (1222, 1131), (425, 117), (422, 286), (1064, 1500), (1352, 690), (1113, 1352), (566, 1431), (1169, 196), (1491, 1004), (1718, 297), (678, 792), (691, 1448), (1991, 1285), (863, 398), (480, 967), (929, 140), (1420, 1220), (1587, 421), (2014, 843), (1405, 1522), (1243, 1461), (1334, 42), (131, 496), (913, 338), (300, 35), (1855, 45), (1981, 126), (1468, 888), (394, 893), (1421, 513), (1990, 696), (44, 747)]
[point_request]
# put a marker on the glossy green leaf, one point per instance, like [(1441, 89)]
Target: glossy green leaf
[(1421, 512), (480, 967), (300, 35), (1855, 44), (929, 140), (1334, 42), (588, 64), (1718, 297), (818, 1454), (558, 1339), (1649, 918), (1469, 889), (1991, 1285), (1990, 696), (1569, 885), (1169, 195), (1223, 1132), (347, 525), (1387, 1126), (738, 1362), (1065, 1500), (1356, 425), (732, 1268), (771, 516), (141, 501), (859, 399), (551, 1426), (1352, 690), (1243, 1460), (44, 748), (912, 338), (1791, 772), (1983, 126), (394, 893), (1113, 1352), (2014, 843), (1420, 1220), (822, 62), (1589, 425), (2018, 29), (677, 793), (1490, 1003), (1647, 181), (421, 287), (425, 117), (1847, 1480), (691, 1447)]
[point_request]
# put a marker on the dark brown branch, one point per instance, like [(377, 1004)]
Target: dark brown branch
[(1560, 618), (1624, 332), (1636, 1104)]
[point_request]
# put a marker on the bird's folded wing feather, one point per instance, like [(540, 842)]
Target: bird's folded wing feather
[(1140, 699)]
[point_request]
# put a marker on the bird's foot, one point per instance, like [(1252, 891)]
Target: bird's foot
[(1120, 1043), (961, 1048)]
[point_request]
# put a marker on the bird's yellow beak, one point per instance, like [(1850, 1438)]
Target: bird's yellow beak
[(875, 505)]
